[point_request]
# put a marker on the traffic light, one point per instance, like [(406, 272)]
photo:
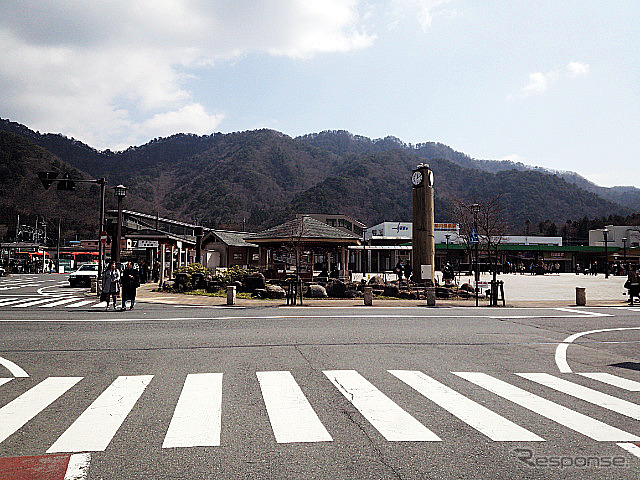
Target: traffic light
[(47, 178), (66, 183)]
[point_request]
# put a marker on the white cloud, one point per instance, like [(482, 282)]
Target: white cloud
[(77, 66), (539, 82), (421, 10), (578, 69)]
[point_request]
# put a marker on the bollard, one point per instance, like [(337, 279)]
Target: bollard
[(368, 296), (231, 295), (94, 285), (431, 296), (581, 296)]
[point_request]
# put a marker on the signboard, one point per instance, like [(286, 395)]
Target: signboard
[(147, 244), (474, 239), (103, 237)]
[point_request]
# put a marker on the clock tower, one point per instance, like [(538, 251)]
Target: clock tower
[(423, 241)]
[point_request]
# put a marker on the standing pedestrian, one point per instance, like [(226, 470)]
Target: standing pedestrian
[(130, 282), (111, 285)]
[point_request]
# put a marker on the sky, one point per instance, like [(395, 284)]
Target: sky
[(552, 83)]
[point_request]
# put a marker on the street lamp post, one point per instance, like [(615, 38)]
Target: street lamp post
[(605, 233), (475, 208), (624, 252), (446, 257), (120, 191)]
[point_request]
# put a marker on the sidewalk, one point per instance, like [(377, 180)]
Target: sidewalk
[(520, 291)]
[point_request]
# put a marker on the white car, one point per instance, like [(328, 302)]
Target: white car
[(83, 275)]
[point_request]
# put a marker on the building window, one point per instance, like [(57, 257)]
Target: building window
[(331, 221), (237, 256), (345, 224)]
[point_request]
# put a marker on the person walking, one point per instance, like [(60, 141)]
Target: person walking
[(130, 282), (111, 285), (633, 284)]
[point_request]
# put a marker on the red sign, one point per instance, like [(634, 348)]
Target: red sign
[(103, 237)]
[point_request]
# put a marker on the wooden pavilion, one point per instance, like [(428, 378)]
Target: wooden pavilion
[(303, 245)]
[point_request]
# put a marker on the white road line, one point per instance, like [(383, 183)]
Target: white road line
[(587, 394), (292, 417), (19, 411), (2, 300), (584, 312), (60, 302), (100, 305), (632, 448), (78, 467), (561, 349), (5, 380), (564, 416), (387, 417), (614, 380), (81, 304), (31, 304), (475, 415), (15, 370), (197, 418), (14, 302), (96, 426)]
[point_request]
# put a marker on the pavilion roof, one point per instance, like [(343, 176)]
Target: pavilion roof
[(303, 229)]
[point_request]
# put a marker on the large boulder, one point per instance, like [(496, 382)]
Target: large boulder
[(316, 291), (255, 281), (275, 291), (376, 280), (336, 289)]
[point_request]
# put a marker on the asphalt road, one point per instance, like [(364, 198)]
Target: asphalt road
[(167, 392)]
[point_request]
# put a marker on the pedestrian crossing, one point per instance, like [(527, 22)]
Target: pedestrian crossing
[(50, 302), (197, 420)]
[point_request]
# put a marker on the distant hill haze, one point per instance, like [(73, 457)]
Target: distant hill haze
[(262, 177)]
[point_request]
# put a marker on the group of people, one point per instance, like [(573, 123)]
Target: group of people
[(403, 269), (633, 283), (114, 281)]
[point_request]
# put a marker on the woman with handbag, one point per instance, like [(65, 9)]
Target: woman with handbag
[(111, 284), (130, 282)]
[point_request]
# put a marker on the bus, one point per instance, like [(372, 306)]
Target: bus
[(73, 260), (31, 262)]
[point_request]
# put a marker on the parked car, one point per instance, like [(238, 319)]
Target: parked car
[(83, 275)]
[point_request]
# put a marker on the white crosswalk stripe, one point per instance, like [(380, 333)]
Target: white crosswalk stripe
[(475, 415), (614, 380), (386, 416), (50, 302), (583, 393), (19, 411), (60, 302), (96, 426), (292, 417), (576, 421), (196, 419)]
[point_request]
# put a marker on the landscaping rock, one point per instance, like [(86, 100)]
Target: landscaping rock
[(275, 291), (336, 289), (259, 293), (352, 294), (376, 280), (316, 291), (255, 281)]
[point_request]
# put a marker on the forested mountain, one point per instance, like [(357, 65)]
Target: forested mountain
[(258, 178)]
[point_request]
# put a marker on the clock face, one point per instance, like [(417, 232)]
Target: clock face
[(416, 178)]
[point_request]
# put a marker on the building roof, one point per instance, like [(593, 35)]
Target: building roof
[(232, 239), (303, 228)]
